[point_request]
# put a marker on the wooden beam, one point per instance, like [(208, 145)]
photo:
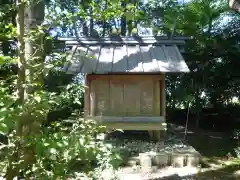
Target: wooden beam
[(125, 77), (113, 119), (129, 43), (124, 40), (136, 126)]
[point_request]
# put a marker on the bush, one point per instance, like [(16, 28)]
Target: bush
[(51, 151)]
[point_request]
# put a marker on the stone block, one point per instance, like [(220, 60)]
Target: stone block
[(160, 159), (154, 169), (145, 161), (192, 160), (131, 163), (136, 169), (136, 159), (178, 160)]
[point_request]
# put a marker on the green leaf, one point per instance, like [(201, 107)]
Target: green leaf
[(49, 66), (46, 144), (129, 16), (37, 98), (59, 144), (53, 151), (1, 60), (3, 128), (3, 146)]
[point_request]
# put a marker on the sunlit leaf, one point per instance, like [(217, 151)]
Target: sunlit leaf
[(3, 128)]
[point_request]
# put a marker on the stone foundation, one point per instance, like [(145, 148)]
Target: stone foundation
[(177, 160), (149, 155)]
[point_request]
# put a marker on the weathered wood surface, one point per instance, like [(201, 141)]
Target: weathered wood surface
[(126, 59), (163, 97), (125, 95), (150, 119), (87, 97), (136, 126), (134, 40)]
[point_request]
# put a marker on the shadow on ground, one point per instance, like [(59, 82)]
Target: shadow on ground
[(224, 173), (208, 144)]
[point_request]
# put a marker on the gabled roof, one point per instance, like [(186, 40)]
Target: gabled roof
[(148, 55)]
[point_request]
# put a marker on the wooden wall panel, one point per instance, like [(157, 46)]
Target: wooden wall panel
[(116, 99), (132, 99), (87, 97), (92, 98), (163, 98), (117, 95), (102, 97), (157, 102), (147, 98)]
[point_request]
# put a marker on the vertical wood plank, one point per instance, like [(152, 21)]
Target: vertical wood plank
[(102, 97), (133, 59), (119, 60), (132, 99), (162, 59), (147, 98), (86, 96), (105, 60), (116, 98), (163, 97), (157, 98), (91, 59), (92, 98)]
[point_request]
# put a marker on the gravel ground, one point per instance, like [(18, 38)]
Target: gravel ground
[(171, 144), (170, 173)]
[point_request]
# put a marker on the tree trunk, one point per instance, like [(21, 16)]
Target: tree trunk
[(123, 20), (130, 27), (91, 28), (11, 170), (198, 108), (84, 23), (104, 22), (34, 46), (30, 71)]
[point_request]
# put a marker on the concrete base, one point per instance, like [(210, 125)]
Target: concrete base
[(163, 159), (160, 159)]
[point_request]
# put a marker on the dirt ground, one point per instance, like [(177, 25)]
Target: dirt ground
[(218, 158)]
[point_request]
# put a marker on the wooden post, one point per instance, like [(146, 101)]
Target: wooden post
[(159, 134), (87, 97), (163, 97), (92, 98)]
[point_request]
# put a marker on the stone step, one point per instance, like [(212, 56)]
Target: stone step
[(163, 159), (133, 161)]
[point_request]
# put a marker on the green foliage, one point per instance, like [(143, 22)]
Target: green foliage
[(36, 149), (52, 150), (73, 94), (33, 147)]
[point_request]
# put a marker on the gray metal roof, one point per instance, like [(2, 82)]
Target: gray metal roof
[(102, 57)]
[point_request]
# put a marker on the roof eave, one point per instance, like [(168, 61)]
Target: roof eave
[(117, 40)]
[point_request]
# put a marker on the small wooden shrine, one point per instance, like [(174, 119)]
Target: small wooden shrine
[(125, 78)]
